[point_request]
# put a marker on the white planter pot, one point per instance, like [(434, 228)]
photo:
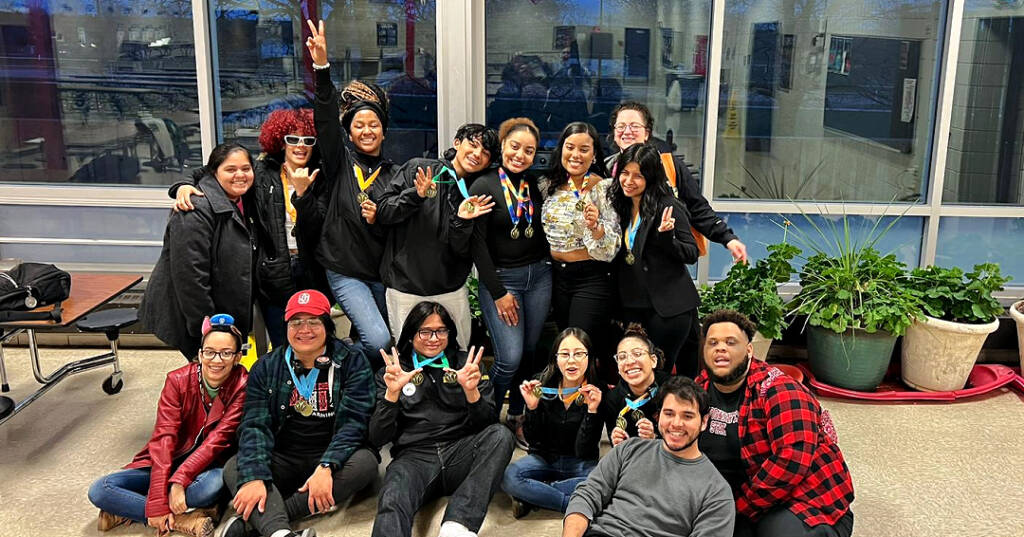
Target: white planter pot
[(1018, 317), (761, 346), (938, 355)]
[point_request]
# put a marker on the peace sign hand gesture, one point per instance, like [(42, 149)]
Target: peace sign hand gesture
[(317, 43), (300, 178), (395, 378), (667, 222), (469, 375)]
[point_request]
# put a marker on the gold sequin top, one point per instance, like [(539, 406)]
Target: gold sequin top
[(566, 230)]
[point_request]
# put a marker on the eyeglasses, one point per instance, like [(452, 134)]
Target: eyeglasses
[(426, 334), (211, 354), (578, 355), (635, 354), (635, 127), (308, 141), (312, 323)]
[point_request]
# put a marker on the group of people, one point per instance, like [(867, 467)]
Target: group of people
[(322, 216)]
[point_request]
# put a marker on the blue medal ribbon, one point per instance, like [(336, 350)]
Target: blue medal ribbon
[(306, 384), (630, 236), (634, 405), (429, 362), (459, 182), (551, 393)]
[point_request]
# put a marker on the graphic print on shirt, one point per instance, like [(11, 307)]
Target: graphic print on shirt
[(321, 400), (718, 419)]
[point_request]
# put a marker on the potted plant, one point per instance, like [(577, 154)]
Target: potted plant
[(1017, 313), (857, 303), (753, 291), (960, 312)]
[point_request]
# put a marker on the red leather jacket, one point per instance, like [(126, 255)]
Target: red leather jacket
[(184, 427)]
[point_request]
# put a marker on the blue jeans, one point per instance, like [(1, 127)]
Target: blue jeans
[(124, 493), (531, 285), (363, 303), (548, 485)]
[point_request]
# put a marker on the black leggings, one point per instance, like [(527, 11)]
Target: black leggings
[(584, 298), (781, 522), (667, 334)]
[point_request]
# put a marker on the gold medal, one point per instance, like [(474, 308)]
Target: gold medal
[(630, 258), (637, 415), (621, 423), (450, 377), (432, 190), (537, 392), (529, 232), (303, 407), (417, 379), (470, 208), (580, 205), (514, 233), (580, 400), (362, 197)]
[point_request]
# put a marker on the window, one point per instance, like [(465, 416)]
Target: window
[(263, 64), (828, 100), (558, 62), (986, 138), (964, 242), (99, 92)]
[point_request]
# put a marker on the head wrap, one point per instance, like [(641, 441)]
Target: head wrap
[(363, 96)]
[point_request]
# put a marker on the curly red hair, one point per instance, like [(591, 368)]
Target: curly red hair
[(282, 122)]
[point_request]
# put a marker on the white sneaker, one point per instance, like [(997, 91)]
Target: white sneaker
[(454, 529)]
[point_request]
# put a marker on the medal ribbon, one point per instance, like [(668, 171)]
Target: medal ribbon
[(363, 182), (635, 405), (583, 189), (629, 237), (561, 393), (429, 362), (522, 199), (287, 198), (458, 181), (306, 384)]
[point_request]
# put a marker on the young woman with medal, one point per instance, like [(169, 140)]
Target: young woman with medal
[(628, 408), (289, 144), (563, 428), (180, 468), (654, 287), (436, 408), (632, 123), (302, 442), (209, 257), (346, 197), (429, 212), (511, 256), (584, 235)]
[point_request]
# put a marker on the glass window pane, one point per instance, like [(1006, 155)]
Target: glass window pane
[(97, 92), (558, 62), (827, 100), (758, 230), (68, 222), (964, 241), (263, 64), (986, 136)]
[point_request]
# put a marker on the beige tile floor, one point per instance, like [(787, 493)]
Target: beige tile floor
[(920, 470)]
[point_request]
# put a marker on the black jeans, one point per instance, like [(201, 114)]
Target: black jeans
[(780, 522), (469, 470), (668, 334), (584, 298), (284, 503)]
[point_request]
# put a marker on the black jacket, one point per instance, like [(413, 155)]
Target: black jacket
[(613, 402), (277, 283), (555, 431), (205, 267), (437, 413), (428, 245), (347, 245), (659, 268), (702, 217)]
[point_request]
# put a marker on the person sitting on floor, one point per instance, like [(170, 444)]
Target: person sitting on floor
[(302, 443), (629, 407), (657, 488), (562, 427), (771, 440), (180, 468), (437, 410)]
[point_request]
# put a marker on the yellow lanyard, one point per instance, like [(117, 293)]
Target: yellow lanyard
[(287, 196), (365, 183), (578, 192)]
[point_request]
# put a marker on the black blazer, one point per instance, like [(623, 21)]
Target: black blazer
[(662, 258)]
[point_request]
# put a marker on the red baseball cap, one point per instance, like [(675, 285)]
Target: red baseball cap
[(309, 301)]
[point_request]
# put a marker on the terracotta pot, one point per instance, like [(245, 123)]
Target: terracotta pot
[(938, 355)]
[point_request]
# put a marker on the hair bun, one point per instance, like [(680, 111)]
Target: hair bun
[(635, 330)]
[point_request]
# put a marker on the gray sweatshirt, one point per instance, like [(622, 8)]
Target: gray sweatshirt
[(639, 489)]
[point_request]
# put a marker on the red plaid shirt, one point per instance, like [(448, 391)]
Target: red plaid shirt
[(789, 447)]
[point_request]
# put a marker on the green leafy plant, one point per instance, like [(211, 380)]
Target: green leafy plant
[(951, 295), (847, 283), (752, 290)]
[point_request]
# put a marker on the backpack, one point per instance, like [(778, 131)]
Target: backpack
[(32, 285), (670, 172)]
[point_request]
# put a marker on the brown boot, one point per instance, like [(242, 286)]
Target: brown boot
[(194, 523), (107, 521)]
